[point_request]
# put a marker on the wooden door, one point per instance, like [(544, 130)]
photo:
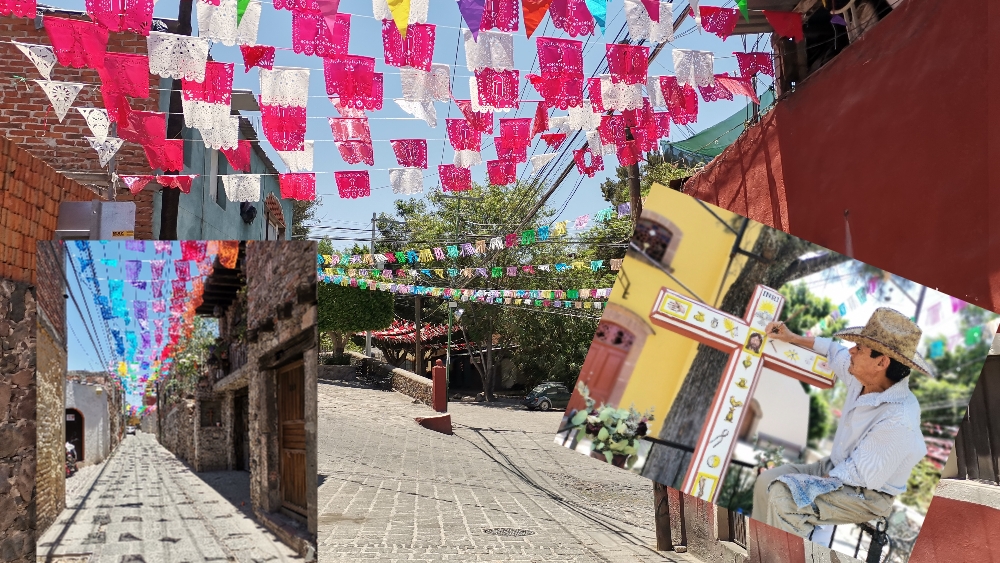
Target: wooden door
[(241, 432), (292, 440), (604, 362)]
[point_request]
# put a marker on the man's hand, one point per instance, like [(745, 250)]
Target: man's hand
[(778, 331)]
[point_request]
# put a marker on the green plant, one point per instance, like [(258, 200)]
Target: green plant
[(612, 431), (920, 487)]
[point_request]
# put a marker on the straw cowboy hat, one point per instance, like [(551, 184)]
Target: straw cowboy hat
[(890, 332)]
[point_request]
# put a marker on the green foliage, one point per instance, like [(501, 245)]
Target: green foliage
[(348, 309), (189, 363), (808, 309), (920, 487), (655, 170)]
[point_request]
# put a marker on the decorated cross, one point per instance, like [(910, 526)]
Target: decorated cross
[(750, 352)]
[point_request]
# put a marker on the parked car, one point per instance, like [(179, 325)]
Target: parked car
[(130, 430), (547, 395)]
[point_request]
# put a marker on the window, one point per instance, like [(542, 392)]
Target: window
[(656, 237)]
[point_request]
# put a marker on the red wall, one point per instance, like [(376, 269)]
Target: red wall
[(897, 131), (956, 531)]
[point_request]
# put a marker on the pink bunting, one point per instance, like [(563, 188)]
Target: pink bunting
[(410, 152), (331, 12), (415, 50), (162, 246), (454, 178), (217, 88), (653, 9), (122, 15), (515, 132), (559, 91), (561, 64), (309, 6), (299, 186), (178, 287), (144, 128), (572, 16), (18, 8), (682, 102), (156, 266), (541, 121), (481, 121), (554, 140), (715, 92), (353, 184), (123, 74), (741, 86), (720, 21), (350, 129), (628, 63), (168, 155), (501, 15), (284, 127), (462, 136), (752, 63), (628, 153), (135, 184), (180, 181), (239, 158), (510, 153), (371, 102), (193, 250), (182, 268), (594, 94), (77, 43), (159, 306), (501, 172), (348, 76), (786, 24), (261, 56), (612, 130), (312, 35), (595, 165), (356, 152), (497, 88)]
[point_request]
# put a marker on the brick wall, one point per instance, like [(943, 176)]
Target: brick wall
[(27, 119), (17, 421), (30, 193)]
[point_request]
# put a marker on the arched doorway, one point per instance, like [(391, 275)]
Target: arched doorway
[(613, 353), (750, 421), (75, 431)]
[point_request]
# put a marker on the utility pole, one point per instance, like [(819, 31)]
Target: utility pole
[(368, 333), (451, 304)]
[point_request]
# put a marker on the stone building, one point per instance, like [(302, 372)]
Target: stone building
[(255, 407), (95, 421)]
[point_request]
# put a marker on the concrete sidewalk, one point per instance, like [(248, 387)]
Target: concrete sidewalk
[(500, 489), (144, 505)]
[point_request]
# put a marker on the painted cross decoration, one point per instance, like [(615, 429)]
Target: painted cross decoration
[(750, 352)]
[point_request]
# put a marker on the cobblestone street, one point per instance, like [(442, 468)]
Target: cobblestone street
[(392, 490), (144, 505)]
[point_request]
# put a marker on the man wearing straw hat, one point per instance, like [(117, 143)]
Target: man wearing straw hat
[(878, 439)]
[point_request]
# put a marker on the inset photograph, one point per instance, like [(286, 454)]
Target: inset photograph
[(784, 382), (177, 401)]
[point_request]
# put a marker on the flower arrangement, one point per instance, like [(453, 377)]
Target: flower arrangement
[(614, 433)]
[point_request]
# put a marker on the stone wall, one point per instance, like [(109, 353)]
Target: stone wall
[(412, 385), (281, 322), (211, 443), (176, 430), (17, 421)]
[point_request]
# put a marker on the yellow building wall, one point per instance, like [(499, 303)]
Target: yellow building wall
[(700, 264)]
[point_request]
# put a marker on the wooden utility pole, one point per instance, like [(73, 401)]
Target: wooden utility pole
[(170, 198), (418, 359)]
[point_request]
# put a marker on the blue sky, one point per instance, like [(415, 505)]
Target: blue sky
[(392, 123)]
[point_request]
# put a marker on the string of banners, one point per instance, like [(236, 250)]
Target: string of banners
[(491, 272), (479, 248), (936, 347), (319, 29), (557, 298)]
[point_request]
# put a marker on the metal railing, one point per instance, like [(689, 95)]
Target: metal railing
[(738, 528)]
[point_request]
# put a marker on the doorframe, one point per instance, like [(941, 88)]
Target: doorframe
[(287, 508), (83, 433)]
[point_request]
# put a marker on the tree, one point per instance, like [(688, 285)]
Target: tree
[(189, 361), (302, 211), (782, 259), (343, 311)]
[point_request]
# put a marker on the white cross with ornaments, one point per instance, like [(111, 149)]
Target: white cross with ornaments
[(750, 352)]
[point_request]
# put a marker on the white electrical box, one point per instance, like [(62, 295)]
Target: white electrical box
[(96, 220)]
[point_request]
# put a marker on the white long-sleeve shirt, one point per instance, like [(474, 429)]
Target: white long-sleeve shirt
[(878, 439)]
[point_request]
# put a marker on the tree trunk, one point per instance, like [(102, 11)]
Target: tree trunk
[(684, 421), (490, 372)]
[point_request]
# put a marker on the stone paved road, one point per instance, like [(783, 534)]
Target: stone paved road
[(144, 505), (392, 490)]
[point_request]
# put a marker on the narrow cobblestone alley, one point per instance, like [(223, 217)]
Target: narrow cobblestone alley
[(500, 489), (144, 505)]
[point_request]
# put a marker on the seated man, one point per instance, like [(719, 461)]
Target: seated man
[(878, 440)]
